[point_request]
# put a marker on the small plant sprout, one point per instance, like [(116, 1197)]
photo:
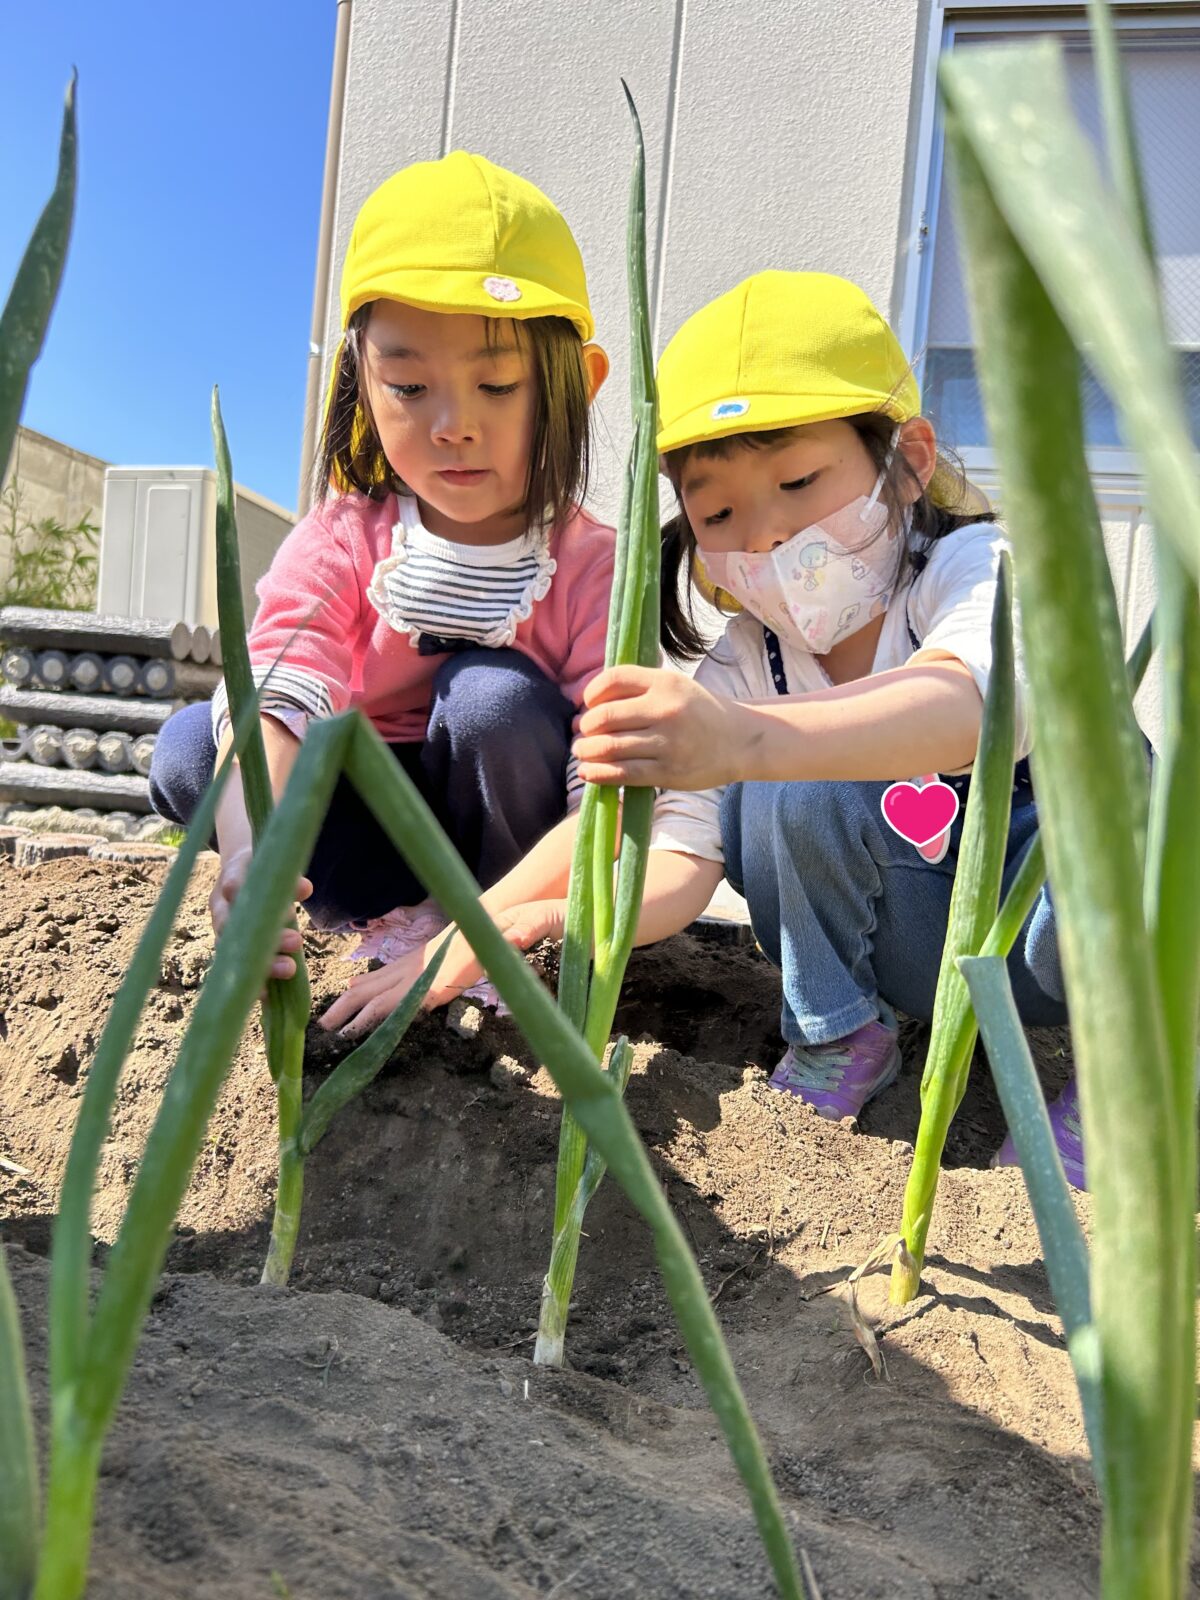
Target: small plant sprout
[(602, 918)]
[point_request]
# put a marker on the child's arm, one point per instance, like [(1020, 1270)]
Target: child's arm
[(310, 605), (235, 841), (649, 726), (678, 887)]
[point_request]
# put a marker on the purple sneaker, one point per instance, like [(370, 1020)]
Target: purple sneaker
[(838, 1078), (1068, 1136)]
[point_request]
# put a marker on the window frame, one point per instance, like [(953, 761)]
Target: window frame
[(1115, 471)]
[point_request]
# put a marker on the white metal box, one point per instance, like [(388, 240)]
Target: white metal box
[(158, 552)]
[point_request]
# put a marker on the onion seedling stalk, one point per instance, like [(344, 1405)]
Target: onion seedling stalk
[(91, 1351), (287, 1002), (26, 314), (1048, 280), (602, 919), (972, 912), (952, 1038)]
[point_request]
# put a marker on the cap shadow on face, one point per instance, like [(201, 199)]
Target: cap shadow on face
[(755, 496)]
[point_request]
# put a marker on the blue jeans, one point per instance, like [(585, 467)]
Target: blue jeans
[(851, 914), (492, 768)]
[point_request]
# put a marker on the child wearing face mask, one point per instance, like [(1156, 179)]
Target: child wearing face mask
[(858, 571), (448, 584)]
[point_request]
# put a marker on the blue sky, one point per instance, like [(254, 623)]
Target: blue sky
[(202, 136)]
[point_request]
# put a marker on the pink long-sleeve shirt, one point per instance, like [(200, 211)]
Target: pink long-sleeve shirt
[(334, 650)]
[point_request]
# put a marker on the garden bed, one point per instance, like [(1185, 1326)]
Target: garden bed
[(379, 1431)]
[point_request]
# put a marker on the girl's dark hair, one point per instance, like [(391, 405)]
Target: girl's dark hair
[(946, 503), (351, 456)]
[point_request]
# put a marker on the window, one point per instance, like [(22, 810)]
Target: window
[(1162, 59)]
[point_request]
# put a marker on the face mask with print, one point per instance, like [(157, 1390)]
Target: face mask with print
[(821, 585)]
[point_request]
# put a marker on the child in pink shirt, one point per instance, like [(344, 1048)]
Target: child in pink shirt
[(449, 585)]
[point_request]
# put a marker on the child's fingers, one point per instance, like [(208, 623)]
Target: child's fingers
[(616, 716), (392, 972), (618, 683), (283, 967), (529, 925), (339, 1012), (304, 888), (362, 989), (370, 1015), (369, 1018), (618, 749), (637, 774)]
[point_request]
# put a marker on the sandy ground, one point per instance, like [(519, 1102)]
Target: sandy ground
[(379, 1430)]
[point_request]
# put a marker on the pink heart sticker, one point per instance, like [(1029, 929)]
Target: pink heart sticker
[(919, 815)]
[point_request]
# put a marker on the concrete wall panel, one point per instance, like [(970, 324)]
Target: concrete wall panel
[(569, 132), (778, 135), (774, 134), (53, 481), (790, 148), (397, 77)]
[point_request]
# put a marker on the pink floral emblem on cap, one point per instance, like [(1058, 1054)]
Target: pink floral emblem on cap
[(502, 288)]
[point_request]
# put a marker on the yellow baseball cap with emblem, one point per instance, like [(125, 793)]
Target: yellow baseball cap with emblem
[(463, 235), (781, 350)]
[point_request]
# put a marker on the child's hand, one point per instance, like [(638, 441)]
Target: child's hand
[(647, 726), (372, 996), (229, 881), (528, 924)]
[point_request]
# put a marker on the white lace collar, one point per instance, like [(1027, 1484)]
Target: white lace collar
[(406, 582)]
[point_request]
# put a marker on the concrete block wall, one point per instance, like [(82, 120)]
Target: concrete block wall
[(54, 481)]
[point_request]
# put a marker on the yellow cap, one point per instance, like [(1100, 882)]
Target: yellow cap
[(780, 350), (463, 235)]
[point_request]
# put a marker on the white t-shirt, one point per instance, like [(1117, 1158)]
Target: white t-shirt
[(948, 606)]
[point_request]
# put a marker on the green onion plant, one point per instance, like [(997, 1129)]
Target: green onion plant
[(26, 314), (92, 1348), (973, 902), (348, 743), (954, 1028), (287, 1003), (602, 917), (1060, 264)]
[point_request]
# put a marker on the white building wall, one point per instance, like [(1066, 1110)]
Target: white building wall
[(783, 133), (775, 137)]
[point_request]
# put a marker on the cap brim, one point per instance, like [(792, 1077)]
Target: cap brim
[(767, 411), (463, 293)]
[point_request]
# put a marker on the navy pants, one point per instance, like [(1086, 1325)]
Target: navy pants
[(492, 768)]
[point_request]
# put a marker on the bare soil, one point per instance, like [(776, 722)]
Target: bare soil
[(379, 1430)]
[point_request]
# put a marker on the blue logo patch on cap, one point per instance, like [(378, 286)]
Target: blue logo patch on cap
[(730, 408)]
